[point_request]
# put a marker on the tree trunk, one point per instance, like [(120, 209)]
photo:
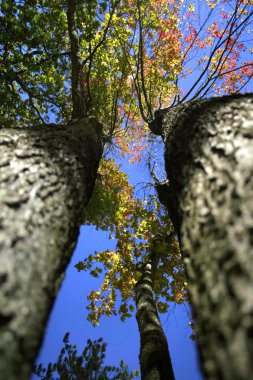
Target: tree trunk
[(209, 162), (77, 74), (47, 177), (154, 357)]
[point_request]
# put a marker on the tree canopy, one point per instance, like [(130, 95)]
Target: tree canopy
[(130, 58), (87, 366)]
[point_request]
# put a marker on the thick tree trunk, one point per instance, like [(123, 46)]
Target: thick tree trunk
[(154, 357), (209, 162), (47, 176)]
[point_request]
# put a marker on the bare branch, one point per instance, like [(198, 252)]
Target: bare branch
[(196, 37), (140, 66), (94, 50), (31, 99), (232, 28), (211, 81)]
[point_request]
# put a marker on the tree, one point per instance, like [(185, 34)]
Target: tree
[(154, 356), (47, 177), (87, 366), (45, 185), (36, 52), (119, 57), (209, 198), (217, 68), (146, 261)]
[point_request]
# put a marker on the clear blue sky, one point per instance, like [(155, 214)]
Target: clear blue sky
[(69, 313)]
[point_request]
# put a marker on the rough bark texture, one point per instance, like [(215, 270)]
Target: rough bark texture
[(209, 162), (154, 356), (47, 176)]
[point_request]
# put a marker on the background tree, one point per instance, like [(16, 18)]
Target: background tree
[(143, 239), (87, 366)]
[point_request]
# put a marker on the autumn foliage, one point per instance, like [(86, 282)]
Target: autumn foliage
[(170, 52), (136, 224)]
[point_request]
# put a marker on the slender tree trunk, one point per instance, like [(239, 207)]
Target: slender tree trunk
[(209, 162), (47, 176), (154, 357), (77, 74)]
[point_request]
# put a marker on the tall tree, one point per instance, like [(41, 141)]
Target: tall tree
[(209, 198), (144, 270), (154, 356), (41, 43), (47, 177), (203, 140), (222, 71)]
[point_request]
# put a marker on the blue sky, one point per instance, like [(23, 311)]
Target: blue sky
[(69, 313)]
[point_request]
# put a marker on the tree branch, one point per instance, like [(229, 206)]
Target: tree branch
[(93, 52), (232, 28), (140, 65), (77, 90)]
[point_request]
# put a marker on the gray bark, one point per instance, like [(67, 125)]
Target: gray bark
[(154, 355), (47, 177), (209, 162)]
